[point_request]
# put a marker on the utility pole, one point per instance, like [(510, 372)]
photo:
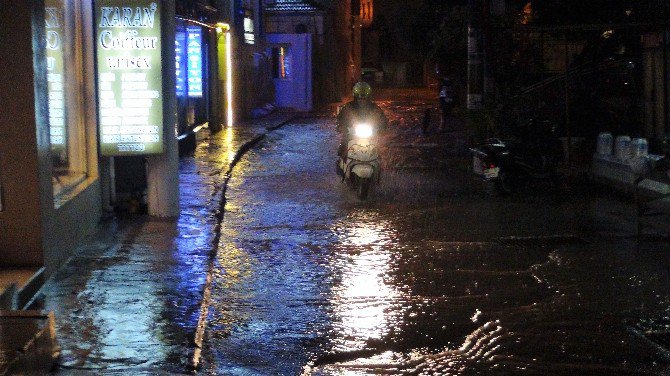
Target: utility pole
[(566, 94), (475, 97)]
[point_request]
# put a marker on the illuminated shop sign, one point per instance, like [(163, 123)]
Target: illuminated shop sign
[(180, 64), (194, 56), (130, 103), (55, 71)]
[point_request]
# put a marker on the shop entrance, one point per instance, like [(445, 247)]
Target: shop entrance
[(292, 70)]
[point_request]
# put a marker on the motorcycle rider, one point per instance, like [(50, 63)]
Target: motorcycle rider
[(361, 109), (446, 102)]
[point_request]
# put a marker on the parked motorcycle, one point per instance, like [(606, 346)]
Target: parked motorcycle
[(508, 163), (361, 167)]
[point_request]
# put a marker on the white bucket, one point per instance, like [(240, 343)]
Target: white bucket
[(639, 148), (622, 148), (605, 143)]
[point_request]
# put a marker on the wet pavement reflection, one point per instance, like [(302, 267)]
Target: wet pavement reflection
[(363, 301), (433, 275), (310, 280), (128, 301)]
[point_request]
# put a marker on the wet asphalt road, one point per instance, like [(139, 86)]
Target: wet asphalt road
[(423, 277), (434, 275)]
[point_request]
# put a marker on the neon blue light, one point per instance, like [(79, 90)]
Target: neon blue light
[(180, 64), (194, 56)]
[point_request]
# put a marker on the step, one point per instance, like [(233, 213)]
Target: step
[(19, 285), (28, 343)]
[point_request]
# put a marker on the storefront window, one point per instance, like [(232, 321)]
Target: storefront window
[(65, 86)]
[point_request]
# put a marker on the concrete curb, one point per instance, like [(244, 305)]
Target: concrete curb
[(194, 357)]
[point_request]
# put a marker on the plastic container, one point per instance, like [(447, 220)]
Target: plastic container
[(639, 148), (622, 148), (605, 143)]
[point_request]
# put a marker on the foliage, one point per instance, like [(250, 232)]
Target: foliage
[(411, 26), (566, 12)]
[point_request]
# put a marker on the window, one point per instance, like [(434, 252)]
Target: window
[(366, 10), (249, 36), (281, 62), (65, 85)]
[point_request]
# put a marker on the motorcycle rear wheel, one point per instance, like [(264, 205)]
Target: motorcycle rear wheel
[(505, 184)]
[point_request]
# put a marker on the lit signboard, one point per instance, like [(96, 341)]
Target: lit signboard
[(180, 64), (194, 56), (130, 103), (55, 71)]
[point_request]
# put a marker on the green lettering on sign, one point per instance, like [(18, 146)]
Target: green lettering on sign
[(130, 97)]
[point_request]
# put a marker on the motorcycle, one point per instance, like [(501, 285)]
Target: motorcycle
[(361, 166), (508, 163)]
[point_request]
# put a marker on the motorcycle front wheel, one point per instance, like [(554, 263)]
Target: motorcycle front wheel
[(363, 188)]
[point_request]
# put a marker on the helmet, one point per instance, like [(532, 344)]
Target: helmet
[(362, 90)]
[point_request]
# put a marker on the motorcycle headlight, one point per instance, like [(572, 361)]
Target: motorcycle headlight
[(363, 130)]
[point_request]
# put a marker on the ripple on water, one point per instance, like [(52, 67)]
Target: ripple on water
[(481, 351)]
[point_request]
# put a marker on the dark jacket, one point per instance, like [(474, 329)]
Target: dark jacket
[(361, 111)]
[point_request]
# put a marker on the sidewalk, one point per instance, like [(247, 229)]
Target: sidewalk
[(128, 300)]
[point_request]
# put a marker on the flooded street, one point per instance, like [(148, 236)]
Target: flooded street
[(432, 275), (176, 199)]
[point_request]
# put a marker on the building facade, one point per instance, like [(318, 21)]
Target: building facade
[(49, 166), (95, 95), (333, 30)]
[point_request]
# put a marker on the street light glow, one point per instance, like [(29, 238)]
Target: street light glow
[(229, 78)]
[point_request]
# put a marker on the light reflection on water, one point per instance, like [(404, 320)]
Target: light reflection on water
[(226, 147), (230, 150), (364, 300), (480, 353), (136, 322), (293, 285), (370, 304)]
